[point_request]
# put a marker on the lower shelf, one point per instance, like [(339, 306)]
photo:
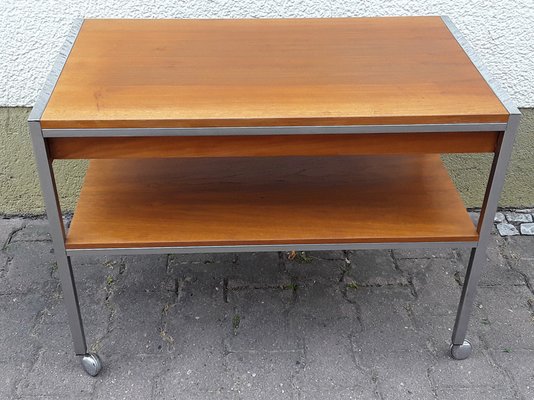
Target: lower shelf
[(267, 201)]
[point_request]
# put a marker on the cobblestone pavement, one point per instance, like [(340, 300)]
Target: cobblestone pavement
[(323, 325), (515, 222)]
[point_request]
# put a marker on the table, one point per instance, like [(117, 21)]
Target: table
[(209, 135)]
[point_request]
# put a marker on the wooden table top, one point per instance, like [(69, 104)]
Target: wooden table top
[(285, 72)]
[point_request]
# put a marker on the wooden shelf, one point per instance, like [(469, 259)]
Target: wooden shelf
[(250, 201)]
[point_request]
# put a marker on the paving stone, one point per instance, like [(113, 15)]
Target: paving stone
[(423, 253), (476, 371), (18, 316), (507, 229), (499, 217), (34, 230), (7, 227), (212, 268), (509, 310), (3, 263), (519, 365), (330, 365), (198, 321), (352, 393), (319, 306), (258, 270), (521, 257), (373, 268), (527, 229), (57, 371), (486, 393), (193, 294), (436, 331), (198, 375), (203, 258), (95, 282), (403, 375), (73, 396), (521, 247), (317, 336), (434, 283), (385, 322), (147, 273), (129, 377), (328, 254), (136, 325), (260, 322), (518, 217), (317, 267), (95, 318), (497, 270), (264, 375), (31, 266), (12, 372)]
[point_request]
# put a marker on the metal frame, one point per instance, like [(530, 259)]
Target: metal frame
[(268, 247), (478, 252), (493, 191), (51, 200), (274, 130)]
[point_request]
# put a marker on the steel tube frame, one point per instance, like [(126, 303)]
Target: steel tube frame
[(269, 247), (57, 232), (487, 214), (48, 187), (57, 229), (274, 130), (494, 187)]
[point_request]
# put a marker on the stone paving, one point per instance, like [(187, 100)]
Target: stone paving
[(515, 222), (319, 325)]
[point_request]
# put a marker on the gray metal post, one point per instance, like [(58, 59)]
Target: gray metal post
[(460, 348), (57, 231)]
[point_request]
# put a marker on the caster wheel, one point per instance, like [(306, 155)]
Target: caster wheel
[(91, 364), (461, 351)]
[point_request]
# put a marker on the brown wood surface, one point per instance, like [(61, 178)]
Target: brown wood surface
[(265, 146), (191, 73), (237, 201)]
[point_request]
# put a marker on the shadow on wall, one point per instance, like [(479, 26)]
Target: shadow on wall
[(20, 193)]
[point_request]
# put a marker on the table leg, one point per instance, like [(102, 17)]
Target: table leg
[(460, 347), (90, 362)]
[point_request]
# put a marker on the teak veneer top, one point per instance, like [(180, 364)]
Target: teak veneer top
[(275, 72)]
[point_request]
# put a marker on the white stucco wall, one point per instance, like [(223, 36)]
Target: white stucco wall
[(32, 31)]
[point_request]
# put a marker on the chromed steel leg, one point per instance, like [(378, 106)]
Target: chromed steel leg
[(474, 270), (57, 231), (460, 348)]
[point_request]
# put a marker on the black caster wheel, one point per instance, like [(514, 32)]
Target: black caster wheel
[(91, 364), (461, 351)]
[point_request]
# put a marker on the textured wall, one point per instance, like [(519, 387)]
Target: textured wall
[(31, 32), (19, 185), (20, 193)]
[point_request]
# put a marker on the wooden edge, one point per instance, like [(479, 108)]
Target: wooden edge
[(49, 123), (85, 246), (271, 145)]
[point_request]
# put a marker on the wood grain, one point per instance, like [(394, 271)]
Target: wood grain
[(288, 200), (266, 146), (203, 73)]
